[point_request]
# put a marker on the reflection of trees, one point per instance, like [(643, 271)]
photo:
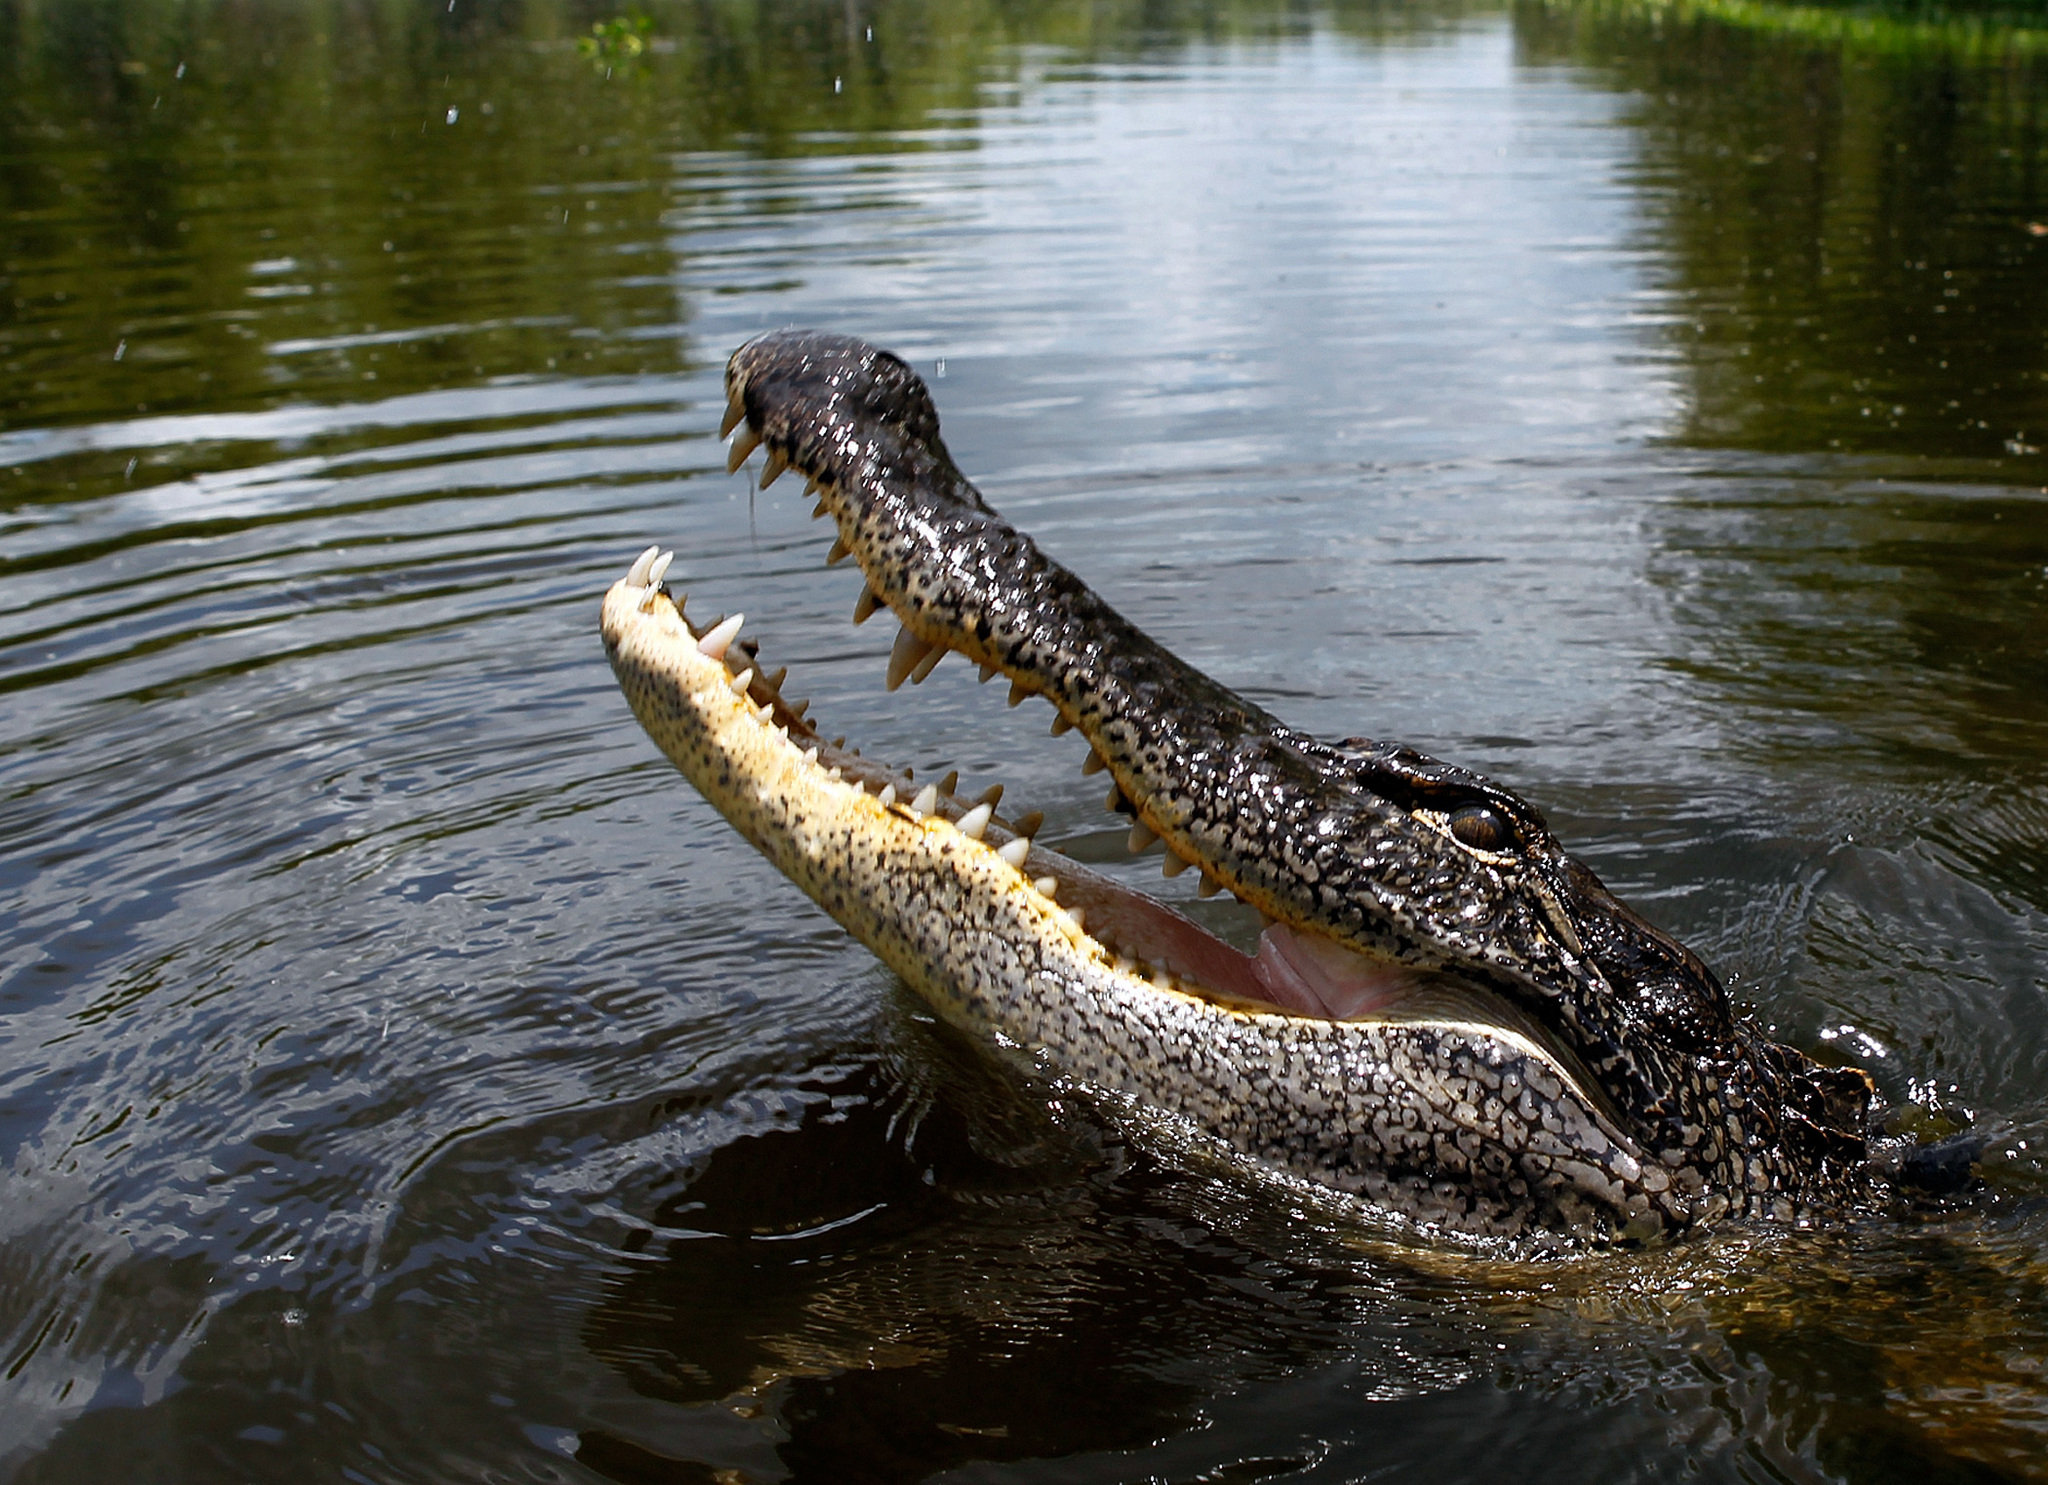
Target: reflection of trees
[(1847, 225), (319, 172)]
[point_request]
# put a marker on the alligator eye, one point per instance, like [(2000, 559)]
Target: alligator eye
[(1481, 828)]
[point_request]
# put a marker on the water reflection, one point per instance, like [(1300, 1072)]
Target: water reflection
[(403, 1074), (1855, 235)]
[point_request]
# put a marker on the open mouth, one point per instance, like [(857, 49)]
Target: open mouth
[(1293, 971)]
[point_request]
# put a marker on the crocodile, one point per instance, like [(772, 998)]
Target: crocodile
[(1446, 1015)]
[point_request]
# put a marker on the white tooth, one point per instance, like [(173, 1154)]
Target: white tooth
[(903, 658), (1173, 865), (1209, 886), (740, 682), (928, 664), (1017, 693), (835, 773), (660, 568), (1093, 762), (987, 674), (927, 799), (773, 466), (1142, 837), (810, 755), (764, 711), (1060, 725), (1046, 886), (976, 820), (744, 443), (839, 552), (714, 643), (865, 605), (642, 565), (648, 598), (734, 411), (1015, 851), (888, 794), (1080, 920)]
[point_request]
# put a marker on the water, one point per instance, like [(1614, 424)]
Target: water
[(405, 1077)]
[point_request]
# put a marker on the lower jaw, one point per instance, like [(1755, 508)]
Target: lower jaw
[(1293, 971)]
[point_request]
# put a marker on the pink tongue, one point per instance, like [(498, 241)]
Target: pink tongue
[(1318, 978)]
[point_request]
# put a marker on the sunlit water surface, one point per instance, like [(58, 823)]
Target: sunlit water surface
[(403, 1076)]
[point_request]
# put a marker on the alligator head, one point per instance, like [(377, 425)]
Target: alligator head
[(1446, 1012)]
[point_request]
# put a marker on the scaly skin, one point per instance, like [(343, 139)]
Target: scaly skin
[(1636, 1100)]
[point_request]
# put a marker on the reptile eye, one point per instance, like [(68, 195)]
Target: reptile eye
[(1481, 828)]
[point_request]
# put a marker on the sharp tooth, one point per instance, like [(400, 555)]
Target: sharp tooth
[(660, 569), (865, 605), (992, 795), (926, 665), (1018, 692), (810, 755), (1173, 865), (1093, 762), (1060, 725), (976, 820), (835, 773), (1209, 886), (1080, 920), (715, 642), (927, 799), (764, 711), (1015, 851), (734, 411), (887, 796), (950, 782), (1142, 837), (810, 484), (1116, 797), (818, 511), (1046, 886), (648, 598), (987, 673), (744, 443), (798, 708), (775, 680), (773, 466), (740, 682), (1029, 822), (903, 657), (839, 552), (642, 565), (838, 742)]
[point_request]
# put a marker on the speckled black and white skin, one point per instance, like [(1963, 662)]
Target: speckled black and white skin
[(1550, 1061)]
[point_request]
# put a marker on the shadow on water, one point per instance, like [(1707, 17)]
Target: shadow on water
[(403, 1077)]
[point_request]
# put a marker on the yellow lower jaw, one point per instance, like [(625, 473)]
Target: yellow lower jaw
[(1405, 1114)]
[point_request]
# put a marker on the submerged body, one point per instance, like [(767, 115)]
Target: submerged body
[(1447, 1014)]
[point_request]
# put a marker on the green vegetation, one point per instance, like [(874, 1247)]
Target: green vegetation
[(1885, 25)]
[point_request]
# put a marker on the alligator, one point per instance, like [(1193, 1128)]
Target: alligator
[(1446, 1015)]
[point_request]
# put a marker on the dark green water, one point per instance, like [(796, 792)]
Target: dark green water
[(404, 1077)]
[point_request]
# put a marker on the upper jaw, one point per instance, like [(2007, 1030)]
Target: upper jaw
[(1371, 847)]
